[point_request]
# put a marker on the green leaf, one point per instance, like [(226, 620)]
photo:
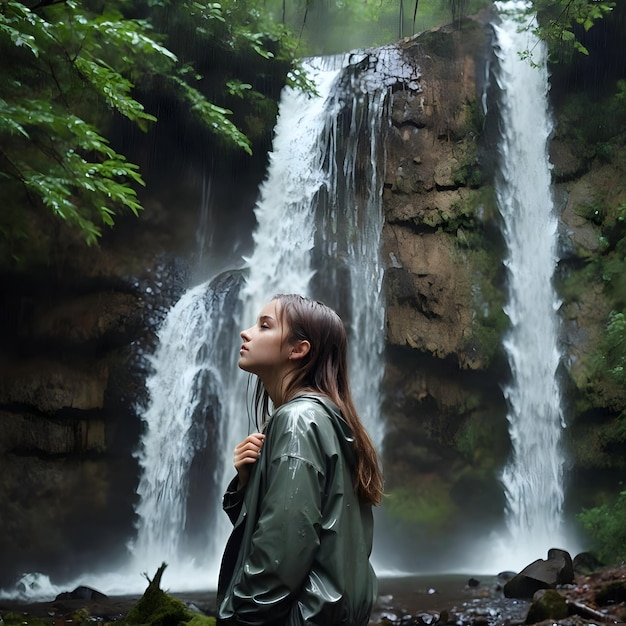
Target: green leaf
[(213, 117), (113, 87), (578, 46)]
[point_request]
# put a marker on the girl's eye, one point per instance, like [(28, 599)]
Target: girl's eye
[(264, 325)]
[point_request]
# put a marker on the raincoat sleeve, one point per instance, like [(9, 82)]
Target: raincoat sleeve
[(286, 536), (233, 500)]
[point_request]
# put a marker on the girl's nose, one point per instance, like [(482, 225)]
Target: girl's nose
[(245, 334)]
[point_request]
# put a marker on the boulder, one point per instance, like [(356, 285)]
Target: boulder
[(82, 593), (586, 563), (547, 604), (557, 569)]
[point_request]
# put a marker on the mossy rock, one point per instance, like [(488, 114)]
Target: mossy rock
[(157, 608), (424, 502), (19, 619), (547, 604)]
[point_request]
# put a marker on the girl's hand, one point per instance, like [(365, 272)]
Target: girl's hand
[(247, 453)]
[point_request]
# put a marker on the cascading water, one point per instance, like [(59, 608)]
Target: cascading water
[(185, 407), (196, 388), (354, 208), (314, 214), (532, 479), (320, 216)]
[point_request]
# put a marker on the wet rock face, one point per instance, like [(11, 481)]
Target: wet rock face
[(431, 194), (443, 285), (443, 406), (429, 293), (66, 424)]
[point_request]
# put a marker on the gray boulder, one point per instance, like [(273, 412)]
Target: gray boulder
[(557, 569)]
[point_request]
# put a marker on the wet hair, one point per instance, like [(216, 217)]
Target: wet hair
[(324, 370)]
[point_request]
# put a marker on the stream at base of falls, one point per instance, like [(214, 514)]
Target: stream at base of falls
[(445, 599), (435, 598)]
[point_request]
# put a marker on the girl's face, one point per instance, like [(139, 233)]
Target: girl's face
[(265, 351)]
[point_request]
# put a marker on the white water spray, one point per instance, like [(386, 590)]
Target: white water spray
[(298, 175), (183, 412), (362, 184), (533, 478), (285, 212)]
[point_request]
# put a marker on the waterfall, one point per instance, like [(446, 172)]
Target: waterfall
[(532, 479), (319, 221), (351, 220), (319, 224)]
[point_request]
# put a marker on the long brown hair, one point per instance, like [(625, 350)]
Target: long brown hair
[(325, 370)]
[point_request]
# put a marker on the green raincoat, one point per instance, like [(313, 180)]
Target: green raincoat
[(299, 551)]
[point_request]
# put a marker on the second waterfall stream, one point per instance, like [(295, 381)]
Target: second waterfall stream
[(533, 478)]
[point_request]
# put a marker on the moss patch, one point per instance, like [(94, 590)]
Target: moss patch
[(157, 608), (425, 502)]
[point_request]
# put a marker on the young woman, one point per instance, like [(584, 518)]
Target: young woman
[(301, 503)]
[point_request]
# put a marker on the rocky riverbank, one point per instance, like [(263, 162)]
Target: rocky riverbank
[(595, 598), (598, 598)]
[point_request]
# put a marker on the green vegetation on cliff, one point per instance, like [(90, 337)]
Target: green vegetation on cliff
[(559, 22), (606, 525), (424, 503), (596, 129), (591, 116)]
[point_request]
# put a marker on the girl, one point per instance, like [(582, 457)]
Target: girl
[(301, 503)]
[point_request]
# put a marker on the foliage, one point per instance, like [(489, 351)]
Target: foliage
[(594, 125), (71, 69), (481, 249), (557, 22), (201, 620), (611, 358), (20, 619), (477, 441), (606, 526)]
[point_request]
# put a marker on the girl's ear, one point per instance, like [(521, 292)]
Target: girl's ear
[(299, 349)]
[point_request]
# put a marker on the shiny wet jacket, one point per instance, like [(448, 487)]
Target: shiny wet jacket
[(300, 546)]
